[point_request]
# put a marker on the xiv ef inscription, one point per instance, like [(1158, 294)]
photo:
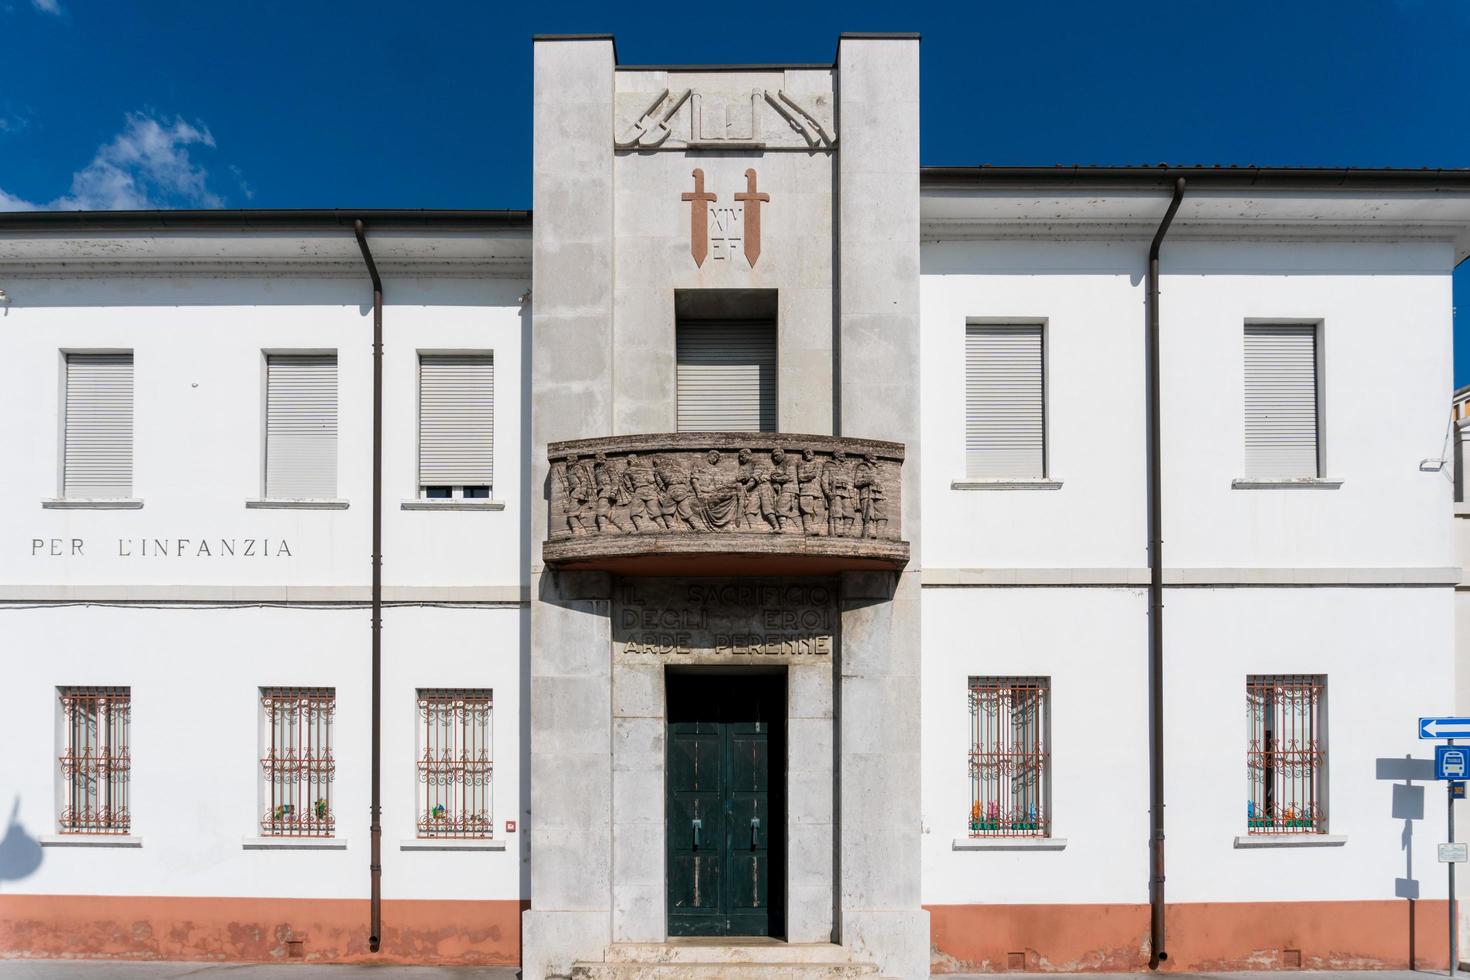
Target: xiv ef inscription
[(709, 620)]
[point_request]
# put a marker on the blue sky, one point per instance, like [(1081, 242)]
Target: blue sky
[(377, 104)]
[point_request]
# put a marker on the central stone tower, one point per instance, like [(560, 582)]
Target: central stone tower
[(725, 569)]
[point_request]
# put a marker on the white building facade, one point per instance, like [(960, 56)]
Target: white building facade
[(766, 557)]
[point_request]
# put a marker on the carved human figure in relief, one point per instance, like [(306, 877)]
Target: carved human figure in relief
[(640, 486), (676, 496), (838, 491), (872, 505), (581, 489), (809, 492), (718, 498), (758, 499), (610, 496), (782, 482)]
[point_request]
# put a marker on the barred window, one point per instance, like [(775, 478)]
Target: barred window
[(1010, 757), (95, 759), (296, 766), (455, 762), (1286, 759)]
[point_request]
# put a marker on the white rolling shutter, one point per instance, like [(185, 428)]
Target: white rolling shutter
[(1004, 402), (98, 437), (301, 427), (726, 376), (1281, 400), (456, 419)]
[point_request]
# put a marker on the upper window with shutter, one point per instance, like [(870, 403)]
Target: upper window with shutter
[(456, 425), (1281, 425), (301, 426), (1005, 417), (726, 375), (97, 427)]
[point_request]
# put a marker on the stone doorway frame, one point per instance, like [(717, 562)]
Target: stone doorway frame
[(639, 727)]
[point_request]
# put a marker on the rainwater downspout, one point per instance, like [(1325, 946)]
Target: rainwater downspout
[(375, 828), (1157, 952)]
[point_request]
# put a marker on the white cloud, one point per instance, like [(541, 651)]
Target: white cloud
[(145, 166), (47, 6), (10, 203)]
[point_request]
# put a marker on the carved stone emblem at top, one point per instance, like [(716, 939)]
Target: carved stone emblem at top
[(760, 118), (679, 488)]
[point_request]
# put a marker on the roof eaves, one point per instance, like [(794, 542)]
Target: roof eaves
[(1284, 178), (289, 219)]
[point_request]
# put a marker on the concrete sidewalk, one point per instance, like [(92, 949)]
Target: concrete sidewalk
[(110, 970)]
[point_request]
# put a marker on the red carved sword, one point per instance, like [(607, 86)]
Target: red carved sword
[(698, 218), (753, 201)]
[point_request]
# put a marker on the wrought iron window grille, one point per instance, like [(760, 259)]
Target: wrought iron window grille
[(455, 764), (1010, 757), (297, 767), (95, 760), (1286, 756)]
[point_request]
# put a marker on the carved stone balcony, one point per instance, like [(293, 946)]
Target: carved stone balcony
[(725, 503)]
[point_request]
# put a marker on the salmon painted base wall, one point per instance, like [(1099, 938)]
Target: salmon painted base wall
[(258, 929), (1207, 936)]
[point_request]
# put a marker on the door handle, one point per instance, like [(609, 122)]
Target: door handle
[(696, 824), (755, 827)]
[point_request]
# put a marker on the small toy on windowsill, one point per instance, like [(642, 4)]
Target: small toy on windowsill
[(438, 812), (321, 809), (991, 821), (1290, 819), (284, 811)]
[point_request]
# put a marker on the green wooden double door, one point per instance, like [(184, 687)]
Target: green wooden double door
[(725, 784)]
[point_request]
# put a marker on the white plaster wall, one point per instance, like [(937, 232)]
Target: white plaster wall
[(1090, 298), (195, 676), (1387, 654), (1091, 643), (1386, 339), (1384, 652), (198, 404), (1385, 310)]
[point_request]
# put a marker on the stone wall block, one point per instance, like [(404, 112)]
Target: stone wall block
[(638, 743), (809, 691), (638, 691)]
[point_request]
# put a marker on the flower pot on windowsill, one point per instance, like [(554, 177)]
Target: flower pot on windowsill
[(1295, 823)]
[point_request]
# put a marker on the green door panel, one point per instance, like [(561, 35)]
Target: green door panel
[(725, 812)]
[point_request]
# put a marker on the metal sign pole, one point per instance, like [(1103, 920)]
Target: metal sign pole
[(1454, 923)]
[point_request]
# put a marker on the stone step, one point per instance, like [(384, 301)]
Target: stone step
[(706, 951), (724, 971)]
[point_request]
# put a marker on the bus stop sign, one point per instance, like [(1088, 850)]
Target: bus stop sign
[(1451, 762)]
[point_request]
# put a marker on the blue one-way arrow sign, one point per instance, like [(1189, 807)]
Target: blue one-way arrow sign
[(1444, 727)]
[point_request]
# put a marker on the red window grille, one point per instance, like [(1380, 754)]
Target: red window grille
[(455, 763), (297, 767), (1286, 758), (95, 760), (1010, 758)]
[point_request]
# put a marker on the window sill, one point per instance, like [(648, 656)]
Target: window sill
[(1290, 840), (296, 504), (452, 503), (91, 840), (1010, 843), (1295, 483), (1044, 483), (108, 503), (295, 843), (452, 844)]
